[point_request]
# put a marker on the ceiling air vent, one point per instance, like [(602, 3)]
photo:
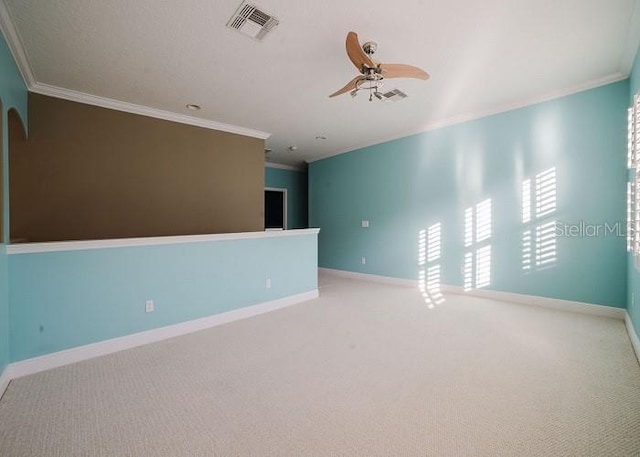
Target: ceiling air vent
[(250, 20), (394, 95)]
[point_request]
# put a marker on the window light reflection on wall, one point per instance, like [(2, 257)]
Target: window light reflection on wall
[(539, 235), (429, 251), (476, 267), (633, 187), (546, 192), (630, 214)]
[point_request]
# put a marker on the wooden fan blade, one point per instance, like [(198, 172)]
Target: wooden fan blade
[(350, 86), (355, 52), (400, 70)]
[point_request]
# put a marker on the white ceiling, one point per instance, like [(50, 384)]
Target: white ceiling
[(483, 57)]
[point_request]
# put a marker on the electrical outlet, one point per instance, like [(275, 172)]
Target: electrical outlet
[(365, 224), (268, 283), (149, 306), (364, 260)]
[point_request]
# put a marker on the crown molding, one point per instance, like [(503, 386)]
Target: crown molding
[(7, 26), (15, 45), (467, 117), (19, 55), (284, 167), (109, 103), (632, 42)]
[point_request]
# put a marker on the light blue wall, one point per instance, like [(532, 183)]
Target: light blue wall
[(13, 94), (4, 310), (296, 184), (408, 184), (60, 300), (633, 305)]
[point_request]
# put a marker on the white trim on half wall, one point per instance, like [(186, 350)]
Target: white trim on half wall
[(55, 246)]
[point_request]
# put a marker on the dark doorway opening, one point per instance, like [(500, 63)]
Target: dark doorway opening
[(275, 209)]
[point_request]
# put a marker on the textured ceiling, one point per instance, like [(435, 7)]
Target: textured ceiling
[(483, 56)]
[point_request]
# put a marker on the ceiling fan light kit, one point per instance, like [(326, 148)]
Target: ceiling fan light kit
[(372, 72)]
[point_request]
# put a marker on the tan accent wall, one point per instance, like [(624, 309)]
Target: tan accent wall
[(93, 173)]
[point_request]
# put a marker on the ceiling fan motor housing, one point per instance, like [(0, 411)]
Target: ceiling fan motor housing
[(370, 48)]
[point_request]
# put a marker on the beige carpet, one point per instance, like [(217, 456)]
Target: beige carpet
[(366, 370)]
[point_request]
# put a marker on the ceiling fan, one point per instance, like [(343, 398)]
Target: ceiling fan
[(372, 72)]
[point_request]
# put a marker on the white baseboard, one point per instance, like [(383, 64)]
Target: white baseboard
[(89, 351), (544, 302), (369, 277), (509, 297), (532, 300), (5, 379), (633, 335)]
